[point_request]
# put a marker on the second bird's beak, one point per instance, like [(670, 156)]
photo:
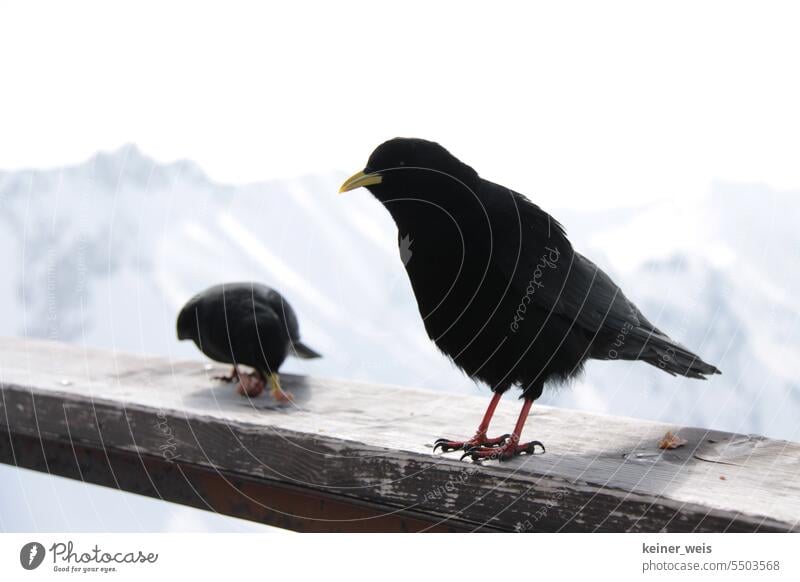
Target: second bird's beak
[(360, 179)]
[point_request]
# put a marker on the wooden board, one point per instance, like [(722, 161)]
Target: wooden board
[(371, 445)]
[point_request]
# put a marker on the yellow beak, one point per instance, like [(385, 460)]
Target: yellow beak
[(360, 179)]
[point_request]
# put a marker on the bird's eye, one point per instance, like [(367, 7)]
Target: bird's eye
[(401, 163)]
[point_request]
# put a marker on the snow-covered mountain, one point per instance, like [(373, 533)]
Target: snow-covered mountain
[(105, 253)]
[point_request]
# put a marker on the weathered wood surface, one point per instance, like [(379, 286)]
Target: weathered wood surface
[(368, 448)]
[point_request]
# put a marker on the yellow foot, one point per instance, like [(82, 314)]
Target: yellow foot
[(277, 392)]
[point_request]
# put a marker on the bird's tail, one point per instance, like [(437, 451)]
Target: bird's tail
[(660, 351), (301, 350)]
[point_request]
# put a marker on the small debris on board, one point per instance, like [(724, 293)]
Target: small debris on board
[(671, 441), (723, 478)]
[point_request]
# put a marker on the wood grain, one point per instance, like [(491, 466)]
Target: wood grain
[(371, 445)]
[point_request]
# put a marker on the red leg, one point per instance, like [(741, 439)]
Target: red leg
[(512, 446), (480, 438)]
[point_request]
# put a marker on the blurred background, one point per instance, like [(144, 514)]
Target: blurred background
[(148, 151)]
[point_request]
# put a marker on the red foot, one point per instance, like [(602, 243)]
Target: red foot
[(479, 440), (250, 385), (283, 397), (503, 453)]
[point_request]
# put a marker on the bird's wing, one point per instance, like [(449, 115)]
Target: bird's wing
[(245, 311), (532, 250), (279, 308), (592, 299)]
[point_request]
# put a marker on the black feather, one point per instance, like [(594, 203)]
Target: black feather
[(243, 323), (500, 289)]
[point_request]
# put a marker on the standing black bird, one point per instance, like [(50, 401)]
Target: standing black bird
[(499, 287), (245, 323)]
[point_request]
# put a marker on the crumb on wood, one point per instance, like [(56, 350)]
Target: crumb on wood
[(671, 441)]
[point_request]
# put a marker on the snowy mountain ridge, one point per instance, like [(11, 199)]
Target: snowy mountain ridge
[(105, 253)]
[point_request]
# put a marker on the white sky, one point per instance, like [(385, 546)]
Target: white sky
[(573, 104)]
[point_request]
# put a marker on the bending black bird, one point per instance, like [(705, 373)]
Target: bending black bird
[(245, 323), (499, 287)]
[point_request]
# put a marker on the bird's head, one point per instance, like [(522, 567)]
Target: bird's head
[(403, 167), (187, 323)]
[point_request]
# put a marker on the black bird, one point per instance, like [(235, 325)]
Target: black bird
[(499, 287), (245, 323)]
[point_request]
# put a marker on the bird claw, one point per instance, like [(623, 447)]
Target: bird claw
[(447, 445), (477, 441), (234, 375), (503, 453)]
